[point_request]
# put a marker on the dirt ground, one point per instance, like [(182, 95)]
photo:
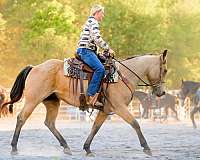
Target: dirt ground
[(115, 140)]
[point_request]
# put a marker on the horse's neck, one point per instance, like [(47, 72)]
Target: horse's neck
[(140, 65)]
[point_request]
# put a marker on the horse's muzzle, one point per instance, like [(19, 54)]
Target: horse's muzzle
[(162, 94)]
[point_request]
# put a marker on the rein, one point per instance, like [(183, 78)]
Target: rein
[(145, 83)]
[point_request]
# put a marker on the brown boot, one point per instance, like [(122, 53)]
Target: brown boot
[(92, 100)]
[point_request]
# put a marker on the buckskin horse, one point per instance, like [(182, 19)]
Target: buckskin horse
[(45, 83)]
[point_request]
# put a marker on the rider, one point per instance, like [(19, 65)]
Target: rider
[(90, 38)]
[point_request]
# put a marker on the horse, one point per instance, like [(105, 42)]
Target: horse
[(151, 102), (196, 107), (46, 83), (3, 96), (190, 89)]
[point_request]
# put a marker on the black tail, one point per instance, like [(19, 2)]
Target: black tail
[(18, 87)]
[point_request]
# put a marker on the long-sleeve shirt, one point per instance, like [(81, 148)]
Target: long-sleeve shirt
[(90, 36)]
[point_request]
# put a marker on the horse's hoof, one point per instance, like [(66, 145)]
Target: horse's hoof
[(90, 154), (14, 152), (67, 151), (195, 127), (147, 151)]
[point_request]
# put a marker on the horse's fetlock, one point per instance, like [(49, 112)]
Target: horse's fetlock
[(86, 146), (13, 144)]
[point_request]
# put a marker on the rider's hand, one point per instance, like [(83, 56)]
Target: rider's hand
[(112, 53)]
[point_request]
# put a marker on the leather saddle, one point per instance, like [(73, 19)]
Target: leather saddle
[(79, 70)]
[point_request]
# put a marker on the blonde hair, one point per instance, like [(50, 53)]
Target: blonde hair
[(96, 8)]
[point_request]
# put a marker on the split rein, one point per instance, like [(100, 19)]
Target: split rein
[(145, 83)]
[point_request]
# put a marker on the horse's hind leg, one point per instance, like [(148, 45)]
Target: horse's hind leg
[(21, 119), (101, 117), (174, 110), (52, 107), (129, 118), (194, 110)]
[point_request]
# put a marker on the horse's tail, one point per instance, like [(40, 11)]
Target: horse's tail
[(18, 87)]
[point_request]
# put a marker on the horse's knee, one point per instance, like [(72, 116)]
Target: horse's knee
[(135, 124), (49, 124), (20, 120)]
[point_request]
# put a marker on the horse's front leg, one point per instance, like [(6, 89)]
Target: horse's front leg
[(194, 110), (101, 117), (123, 112)]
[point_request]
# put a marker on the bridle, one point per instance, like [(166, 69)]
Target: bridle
[(155, 84)]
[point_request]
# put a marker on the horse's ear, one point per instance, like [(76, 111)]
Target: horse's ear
[(164, 56)]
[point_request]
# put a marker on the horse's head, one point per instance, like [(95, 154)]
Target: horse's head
[(157, 74), (188, 89), (183, 92)]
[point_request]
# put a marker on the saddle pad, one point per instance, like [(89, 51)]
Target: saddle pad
[(113, 78)]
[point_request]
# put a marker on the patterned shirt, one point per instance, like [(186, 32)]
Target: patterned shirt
[(90, 36)]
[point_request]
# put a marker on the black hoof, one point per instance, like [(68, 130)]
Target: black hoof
[(67, 151), (14, 152), (147, 151), (91, 154)]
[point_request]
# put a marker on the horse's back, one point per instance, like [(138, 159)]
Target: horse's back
[(50, 64), (47, 67), (44, 72), (168, 100)]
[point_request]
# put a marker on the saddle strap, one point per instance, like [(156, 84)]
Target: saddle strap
[(81, 82), (82, 97)]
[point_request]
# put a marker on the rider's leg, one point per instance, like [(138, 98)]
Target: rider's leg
[(90, 58)]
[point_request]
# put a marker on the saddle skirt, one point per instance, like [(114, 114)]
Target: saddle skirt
[(76, 68)]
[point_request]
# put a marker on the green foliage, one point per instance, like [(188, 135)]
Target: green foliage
[(47, 30), (38, 30), (52, 15)]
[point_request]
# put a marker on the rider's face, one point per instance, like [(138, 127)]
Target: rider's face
[(100, 15)]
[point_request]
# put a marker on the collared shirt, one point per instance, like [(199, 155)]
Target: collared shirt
[(90, 36)]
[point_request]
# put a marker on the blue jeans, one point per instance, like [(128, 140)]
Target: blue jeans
[(91, 59)]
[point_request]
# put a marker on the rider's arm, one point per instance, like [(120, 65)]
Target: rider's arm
[(96, 36)]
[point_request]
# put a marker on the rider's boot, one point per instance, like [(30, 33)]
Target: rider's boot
[(92, 100)]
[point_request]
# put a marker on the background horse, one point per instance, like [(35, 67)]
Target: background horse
[(3, 96), (189, 89), (151, 102), (196, 107), (46, 83)]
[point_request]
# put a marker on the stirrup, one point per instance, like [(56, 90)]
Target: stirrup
[(98, 104)]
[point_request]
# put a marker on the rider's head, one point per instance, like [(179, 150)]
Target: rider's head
[(98, 12)]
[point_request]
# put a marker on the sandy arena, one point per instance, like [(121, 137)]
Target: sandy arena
[(115, 140)]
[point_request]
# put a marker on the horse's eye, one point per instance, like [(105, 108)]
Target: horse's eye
[(165, 70)]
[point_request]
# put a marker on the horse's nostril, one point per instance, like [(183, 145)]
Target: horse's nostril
[(164, 93)]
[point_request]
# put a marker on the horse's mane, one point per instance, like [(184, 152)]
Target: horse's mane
[(135, 56)]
